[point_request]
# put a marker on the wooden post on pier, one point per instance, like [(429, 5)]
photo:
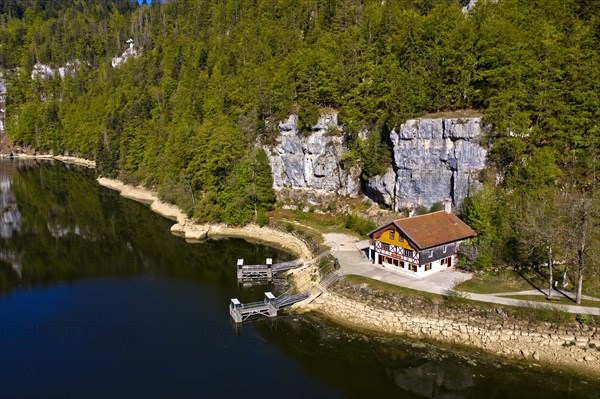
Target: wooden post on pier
[(270, 301), (240, 265), (269, 268), (234, 310)]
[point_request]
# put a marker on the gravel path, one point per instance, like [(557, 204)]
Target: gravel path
[(566, 294)]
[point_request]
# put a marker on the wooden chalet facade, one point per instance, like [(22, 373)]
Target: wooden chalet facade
[(419, 245)]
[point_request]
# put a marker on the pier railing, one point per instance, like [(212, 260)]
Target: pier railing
[(241, 312), (269, 307), (264, 271)]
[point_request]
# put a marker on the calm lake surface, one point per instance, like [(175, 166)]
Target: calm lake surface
[(99, 300)]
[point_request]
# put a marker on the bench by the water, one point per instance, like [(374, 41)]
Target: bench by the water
[(240, 312), (266, 271)]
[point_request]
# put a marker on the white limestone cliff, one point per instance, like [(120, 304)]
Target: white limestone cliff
[(433, 159)]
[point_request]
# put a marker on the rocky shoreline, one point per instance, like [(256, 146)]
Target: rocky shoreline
[(572, 348), (65, 159), (190, 230)]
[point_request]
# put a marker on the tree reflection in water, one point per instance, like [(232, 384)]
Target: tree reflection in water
[(60, 225)]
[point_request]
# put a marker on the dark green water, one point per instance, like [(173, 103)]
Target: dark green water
[(98, 299)]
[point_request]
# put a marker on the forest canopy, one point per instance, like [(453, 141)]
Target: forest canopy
[(211, 79)]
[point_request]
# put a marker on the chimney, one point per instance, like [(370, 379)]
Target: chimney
[(447, 205)]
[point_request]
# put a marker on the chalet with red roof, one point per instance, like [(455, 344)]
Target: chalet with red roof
[(419, 245)]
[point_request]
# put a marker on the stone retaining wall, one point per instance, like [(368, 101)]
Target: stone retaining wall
[(497, 333), (304, 278)]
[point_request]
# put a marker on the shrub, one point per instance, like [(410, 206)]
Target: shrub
[(262, 219), (436, 206), (333, 131), (553, 315), (326, 265), (358, 224), (587, 319), (421, 210), (455, 299)]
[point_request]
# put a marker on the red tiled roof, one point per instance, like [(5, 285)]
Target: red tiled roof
[(433, 229)]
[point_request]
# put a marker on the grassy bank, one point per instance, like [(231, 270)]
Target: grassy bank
[(519, 280), (321, 223), (562, 301)]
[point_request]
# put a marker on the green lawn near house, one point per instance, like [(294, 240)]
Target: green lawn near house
[(522, 280), (492, 283), (389, 288)]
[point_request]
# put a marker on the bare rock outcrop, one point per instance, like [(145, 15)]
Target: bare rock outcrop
[(309, 162), (434, 158)]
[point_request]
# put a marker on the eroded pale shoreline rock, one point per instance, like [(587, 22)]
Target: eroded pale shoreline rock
[(190, 230)]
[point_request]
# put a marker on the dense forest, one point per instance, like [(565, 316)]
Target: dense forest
[(211, 79)]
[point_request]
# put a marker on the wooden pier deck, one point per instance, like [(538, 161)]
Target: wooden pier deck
[(265, 271), (241, 312)]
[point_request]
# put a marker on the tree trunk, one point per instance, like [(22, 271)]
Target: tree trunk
[(550, 277), (192, 196), (581, 257), (254, 188), (580, 269)]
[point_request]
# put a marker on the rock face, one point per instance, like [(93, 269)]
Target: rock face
[(43, 71), (310, 163), (433, 159), (467, 5), (130, 52)]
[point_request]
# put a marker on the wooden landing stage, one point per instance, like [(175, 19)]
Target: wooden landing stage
[(241, 312), (266, 271)]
